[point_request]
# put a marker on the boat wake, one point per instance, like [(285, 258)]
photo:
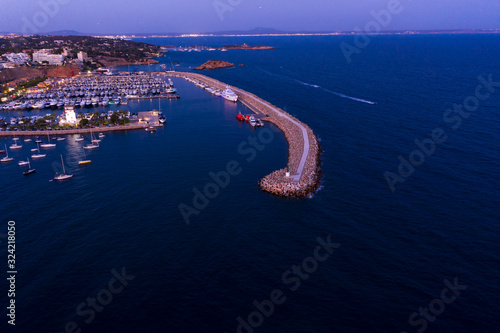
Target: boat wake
[(319, 87)]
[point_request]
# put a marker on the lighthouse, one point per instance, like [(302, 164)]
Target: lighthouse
[(69, 115)]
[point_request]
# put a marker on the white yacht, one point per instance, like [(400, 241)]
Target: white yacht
[(229, 95)]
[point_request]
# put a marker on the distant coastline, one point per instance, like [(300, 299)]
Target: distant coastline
[(331, 33), (259, 32)]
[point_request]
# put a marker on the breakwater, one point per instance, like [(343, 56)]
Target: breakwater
[(304, 163), (74, 130)]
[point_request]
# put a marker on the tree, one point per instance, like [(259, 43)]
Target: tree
[(114, 117), (84, 122)]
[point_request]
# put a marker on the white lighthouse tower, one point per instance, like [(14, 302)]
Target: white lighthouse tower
[(70, 115)]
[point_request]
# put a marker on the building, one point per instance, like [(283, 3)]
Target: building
[(69, 117), (149, 117), (67, 53), (17, 58), (45, 55), (82, 56)]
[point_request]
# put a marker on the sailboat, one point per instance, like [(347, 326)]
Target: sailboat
[(85, 161), (29, 171), (94, 143), (80, 138), (62, 176), (7, 158), (48, 145), (15, 145), (22, 163), (92, 138), (34, 156)]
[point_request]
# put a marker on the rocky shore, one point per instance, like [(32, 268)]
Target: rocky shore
[(277, 183), (214, 64)]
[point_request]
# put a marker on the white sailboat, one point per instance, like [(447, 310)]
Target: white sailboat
[(62, 176), (15, 145), (48, 145), (92, 138), (28, 171), (35, 156), (7, 158)]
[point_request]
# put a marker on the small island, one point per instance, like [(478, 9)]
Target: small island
[(214, 64), (246, 47)]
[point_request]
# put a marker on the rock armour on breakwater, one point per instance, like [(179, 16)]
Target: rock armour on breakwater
[(277, 183)]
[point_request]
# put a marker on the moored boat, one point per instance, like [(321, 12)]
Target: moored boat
[(63, 175), (229, 95), (6, 158)]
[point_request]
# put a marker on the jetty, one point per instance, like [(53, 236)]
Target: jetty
[(303, 174), (75, 130)]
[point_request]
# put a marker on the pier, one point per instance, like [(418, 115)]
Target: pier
[(74, 130), (303, 152)]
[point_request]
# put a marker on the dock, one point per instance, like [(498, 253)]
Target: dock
[(303, 153), (75, 130)]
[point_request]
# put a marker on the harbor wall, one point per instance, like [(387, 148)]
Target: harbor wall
[(74, 131), (277, 183)]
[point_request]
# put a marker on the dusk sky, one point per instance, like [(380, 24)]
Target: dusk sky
[(158, 16)]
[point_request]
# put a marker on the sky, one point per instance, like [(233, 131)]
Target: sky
[(202, 16)]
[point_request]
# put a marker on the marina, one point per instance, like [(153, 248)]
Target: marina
[(299, 178), (92, 91)]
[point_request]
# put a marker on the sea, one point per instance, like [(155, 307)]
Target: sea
[(169, 231)]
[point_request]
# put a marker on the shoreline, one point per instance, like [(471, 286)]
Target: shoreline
[(304, 152), (74, 130)]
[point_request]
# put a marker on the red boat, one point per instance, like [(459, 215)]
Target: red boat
[(2, 151), (240, 117)]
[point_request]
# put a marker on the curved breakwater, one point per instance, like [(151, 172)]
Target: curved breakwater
[(304, 163)]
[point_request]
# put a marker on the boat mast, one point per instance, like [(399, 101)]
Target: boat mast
[(64, 171)]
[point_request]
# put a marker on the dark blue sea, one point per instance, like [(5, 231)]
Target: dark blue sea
[(403, 235)]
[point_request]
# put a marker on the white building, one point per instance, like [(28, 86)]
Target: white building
[(69, 116), (17, 58), (82, 56), (45, 55)]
